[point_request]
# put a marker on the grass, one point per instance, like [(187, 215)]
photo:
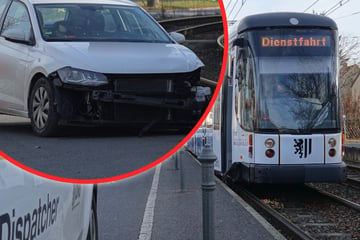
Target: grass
[(178, 4)]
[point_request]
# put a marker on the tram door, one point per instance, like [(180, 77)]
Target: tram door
[(223, 113), (243, 106)]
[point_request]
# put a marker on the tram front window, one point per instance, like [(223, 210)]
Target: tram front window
[(297, 94), (296, 80)]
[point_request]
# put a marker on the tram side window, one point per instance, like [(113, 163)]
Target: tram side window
[(236, 84), (238, 65), (246, 89)]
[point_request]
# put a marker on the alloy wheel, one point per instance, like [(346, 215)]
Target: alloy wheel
[(40, 107)]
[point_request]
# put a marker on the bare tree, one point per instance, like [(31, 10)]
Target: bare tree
[(349, 49)]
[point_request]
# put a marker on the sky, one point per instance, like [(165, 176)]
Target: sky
[(346, 16)]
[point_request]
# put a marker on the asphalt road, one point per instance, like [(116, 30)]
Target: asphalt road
[(121, 206), (83, 153), (153, 204)]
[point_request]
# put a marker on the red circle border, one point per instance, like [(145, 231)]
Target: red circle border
[(161, 159)]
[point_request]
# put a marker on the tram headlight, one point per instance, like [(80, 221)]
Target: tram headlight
[(269, 153), (269, 143), (332, 142), (332, 152)]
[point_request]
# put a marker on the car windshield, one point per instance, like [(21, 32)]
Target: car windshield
[(96, 22)]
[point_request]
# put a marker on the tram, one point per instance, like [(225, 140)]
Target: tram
[(277, 117)]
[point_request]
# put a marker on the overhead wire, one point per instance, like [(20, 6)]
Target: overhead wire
[(232, 10), (228, 2), (242, 4), (311, 5), (333, 7), (336, 7), (349, 15), (233, 7)]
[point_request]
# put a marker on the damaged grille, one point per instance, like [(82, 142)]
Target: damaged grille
[(157, 85), (154, 96), (137, 99)]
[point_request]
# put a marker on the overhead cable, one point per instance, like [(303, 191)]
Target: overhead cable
[(311, 5), (242, 4), (336, 7), (349, 15)]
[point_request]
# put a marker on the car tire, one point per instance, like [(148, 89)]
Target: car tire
[(42, 111), (93, 225)]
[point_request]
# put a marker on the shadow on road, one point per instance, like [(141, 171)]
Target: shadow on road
[(85, 152)]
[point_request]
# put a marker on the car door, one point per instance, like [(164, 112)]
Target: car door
[(16, 38)]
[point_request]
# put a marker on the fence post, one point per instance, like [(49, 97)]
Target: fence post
[(207, 159)]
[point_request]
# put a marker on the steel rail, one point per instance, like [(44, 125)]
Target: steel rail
[(353, 165), (273, 216), (200, 26), (353, 179), (338, 199), (186, 21)]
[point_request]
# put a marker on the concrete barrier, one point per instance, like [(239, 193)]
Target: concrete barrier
[(352, 154)]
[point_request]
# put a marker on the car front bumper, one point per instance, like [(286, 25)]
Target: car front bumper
[(166, 100)]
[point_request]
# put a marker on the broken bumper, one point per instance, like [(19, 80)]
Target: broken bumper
[(164, 99)]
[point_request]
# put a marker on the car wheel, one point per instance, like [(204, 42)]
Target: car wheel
[(43, 115), (93, 227)]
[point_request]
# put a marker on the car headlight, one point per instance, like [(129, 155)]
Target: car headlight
[(81, 77)]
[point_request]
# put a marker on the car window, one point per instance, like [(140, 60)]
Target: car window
[(3, 4), (97, 22), (17, 20)]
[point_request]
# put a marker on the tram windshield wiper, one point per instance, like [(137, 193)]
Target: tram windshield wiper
[(288, 130), (322, 114)]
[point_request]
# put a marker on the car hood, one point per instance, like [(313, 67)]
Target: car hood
[(123, 58)]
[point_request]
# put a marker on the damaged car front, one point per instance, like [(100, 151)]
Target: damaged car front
[(108, 62), (133, 85)]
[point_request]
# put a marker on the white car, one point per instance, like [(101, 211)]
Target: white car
[(36, 208), (70, 62)]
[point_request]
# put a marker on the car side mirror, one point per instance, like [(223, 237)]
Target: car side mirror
[(178, 37), (18, 36)]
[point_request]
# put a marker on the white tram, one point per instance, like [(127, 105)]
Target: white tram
[(277, 117)]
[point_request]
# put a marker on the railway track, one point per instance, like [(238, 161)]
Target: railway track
[(203, 28), (177, 24), (353, 173), (311, 211)]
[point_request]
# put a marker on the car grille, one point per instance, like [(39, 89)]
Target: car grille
[(176, 85)]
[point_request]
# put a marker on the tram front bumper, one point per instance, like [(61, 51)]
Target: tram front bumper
[(261, 173)]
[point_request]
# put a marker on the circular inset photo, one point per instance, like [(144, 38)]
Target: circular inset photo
[(94, 92)]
